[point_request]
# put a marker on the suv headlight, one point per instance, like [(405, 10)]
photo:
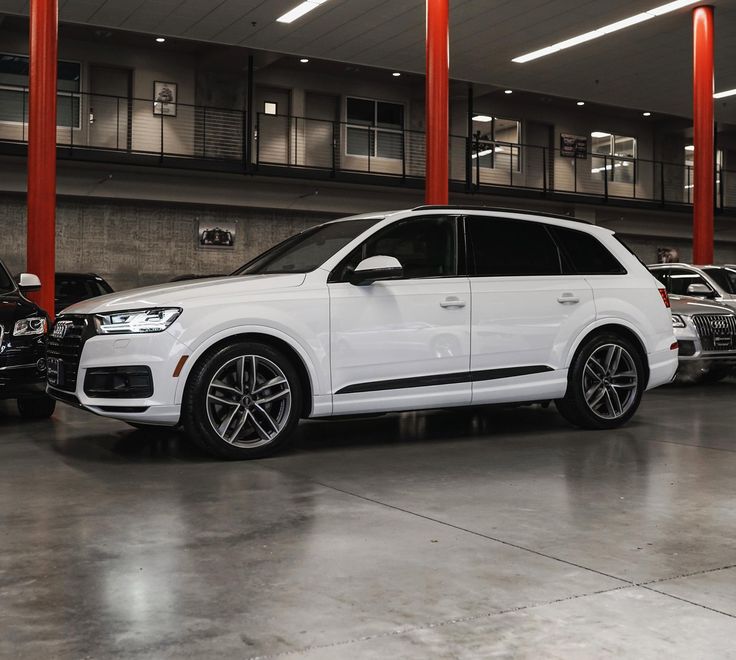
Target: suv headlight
[(677, 321), (35, 325), (136, 321)]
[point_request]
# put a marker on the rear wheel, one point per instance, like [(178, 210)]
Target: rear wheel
[(40, 406), (605, 383), (243, 401)]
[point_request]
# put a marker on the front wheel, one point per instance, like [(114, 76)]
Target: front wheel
[(605, 383), (242, 401), (39, 406)]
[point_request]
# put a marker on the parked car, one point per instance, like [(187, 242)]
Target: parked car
[(23, 330), (706, 333), (424, 308), (74, 287), (716, 283)]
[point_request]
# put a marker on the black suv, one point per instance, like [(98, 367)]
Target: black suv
[(23, 329), (74, 287)]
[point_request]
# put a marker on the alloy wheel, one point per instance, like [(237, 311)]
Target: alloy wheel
[(248, 401), (610, 381)]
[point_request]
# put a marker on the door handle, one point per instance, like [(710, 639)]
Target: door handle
[(452, 301), (568, 299)]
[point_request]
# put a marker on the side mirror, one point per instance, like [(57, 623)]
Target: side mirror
[(374, 269), (700, 290), (28, 282)]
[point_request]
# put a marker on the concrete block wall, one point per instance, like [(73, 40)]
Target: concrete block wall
[(134, 244)]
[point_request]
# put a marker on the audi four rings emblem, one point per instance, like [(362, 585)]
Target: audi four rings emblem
[(60, 329)]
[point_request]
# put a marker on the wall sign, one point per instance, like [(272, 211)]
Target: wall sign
[(573, 146), (216, 235)]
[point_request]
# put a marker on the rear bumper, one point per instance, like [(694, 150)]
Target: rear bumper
[(662, 368)]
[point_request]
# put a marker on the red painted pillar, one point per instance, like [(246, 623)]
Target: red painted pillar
[(40, 251), (438, 78), (703, 137)]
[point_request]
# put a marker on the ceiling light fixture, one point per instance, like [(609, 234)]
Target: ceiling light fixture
[(599, 134), (160, 39), (396, 74), (606, 29), (482, 118), (508, 91), (646, 114), (723, 95), (690, 147), (304, 60), (299, 11), (581, 102)]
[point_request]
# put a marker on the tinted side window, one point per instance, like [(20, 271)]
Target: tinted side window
[(662, 274), (500, 246), (425, 247), (681, 279), (585, 253)]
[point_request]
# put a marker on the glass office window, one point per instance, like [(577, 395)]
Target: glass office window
[(375, 129), (496, 143), (620, 163)]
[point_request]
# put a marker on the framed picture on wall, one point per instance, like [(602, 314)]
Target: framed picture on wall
[(164, 98), (212, 234)]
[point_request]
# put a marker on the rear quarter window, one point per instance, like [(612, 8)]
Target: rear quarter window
[(585, 254)]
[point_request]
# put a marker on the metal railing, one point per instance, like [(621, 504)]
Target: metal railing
[(103, 123)]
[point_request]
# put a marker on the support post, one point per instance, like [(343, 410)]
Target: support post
[(703, 135), (469, 143), (248, 127), (437, 98), (41, 232)]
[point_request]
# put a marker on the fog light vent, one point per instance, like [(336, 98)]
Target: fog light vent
[(119, 382), (687, 347)]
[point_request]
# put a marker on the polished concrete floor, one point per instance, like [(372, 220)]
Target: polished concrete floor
[(465, 534)]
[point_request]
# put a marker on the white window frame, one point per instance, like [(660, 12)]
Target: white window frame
[(373, 130), (611, 167), (63, 93), (500, 144)]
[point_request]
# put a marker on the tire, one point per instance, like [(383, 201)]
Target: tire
[(40, 406), (619, 390), (716, 374), (228, 417)]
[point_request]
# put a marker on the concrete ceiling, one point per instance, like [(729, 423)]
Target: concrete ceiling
[(647, 66)]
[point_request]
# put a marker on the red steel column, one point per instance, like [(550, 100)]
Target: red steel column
[(703, 137), (40, 251), (438, 76)]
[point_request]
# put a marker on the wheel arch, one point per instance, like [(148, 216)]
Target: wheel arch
[(295, 353), (616, 327)]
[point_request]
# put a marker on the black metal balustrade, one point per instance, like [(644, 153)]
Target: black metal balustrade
[(99, 124)]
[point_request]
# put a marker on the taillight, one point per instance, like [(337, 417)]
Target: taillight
[(665, 297)]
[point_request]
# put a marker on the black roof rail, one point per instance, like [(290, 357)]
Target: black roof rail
[(497, 209)]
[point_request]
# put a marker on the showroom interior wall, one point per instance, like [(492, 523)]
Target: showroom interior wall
[(114, 204)]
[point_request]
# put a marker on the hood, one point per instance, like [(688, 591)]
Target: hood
[(180, 294), (13, 306), (688, 306)]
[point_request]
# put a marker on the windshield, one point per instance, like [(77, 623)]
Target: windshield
[(309, 250), (6, 283), (724, 278)]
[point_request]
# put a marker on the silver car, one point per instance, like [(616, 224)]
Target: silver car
[(706, 332), (717, 283)]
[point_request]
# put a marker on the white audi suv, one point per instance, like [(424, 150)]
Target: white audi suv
[(431, 307)]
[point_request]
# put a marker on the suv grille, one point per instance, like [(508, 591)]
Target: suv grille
[(64, 345), (717, 331)]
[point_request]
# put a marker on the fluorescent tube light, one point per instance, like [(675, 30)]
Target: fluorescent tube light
[(299, 11), (723, 95), (482, 118), (606, 29), (599, 134)]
